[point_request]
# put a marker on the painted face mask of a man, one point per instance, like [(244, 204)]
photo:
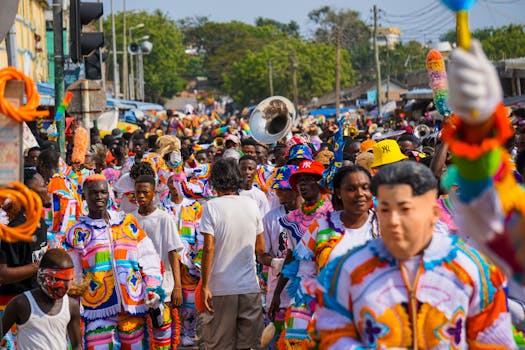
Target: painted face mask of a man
[(55, 282)]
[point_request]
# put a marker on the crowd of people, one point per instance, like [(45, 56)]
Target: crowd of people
[(190, 232)]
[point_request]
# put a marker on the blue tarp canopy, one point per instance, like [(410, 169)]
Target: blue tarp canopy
[(125, 104), (329, 112), (47, 94)]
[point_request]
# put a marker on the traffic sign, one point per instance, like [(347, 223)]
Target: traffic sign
[(89, 99)]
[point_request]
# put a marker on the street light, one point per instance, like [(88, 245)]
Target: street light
[(132, 75)]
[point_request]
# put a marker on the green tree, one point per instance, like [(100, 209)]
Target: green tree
[(355, 36), (223, 44), (165, 66), (291, 29), (498, 43), (248, 82)]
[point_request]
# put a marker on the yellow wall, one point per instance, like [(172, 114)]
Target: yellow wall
[(30, 21)]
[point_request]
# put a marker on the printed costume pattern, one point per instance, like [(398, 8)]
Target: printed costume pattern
[(461, 300)]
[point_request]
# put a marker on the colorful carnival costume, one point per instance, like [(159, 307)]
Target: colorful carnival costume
[(122, 266), (458, 300), (66, 207), (187, 215), (301, 309)]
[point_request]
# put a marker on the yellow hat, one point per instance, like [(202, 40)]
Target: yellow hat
[(387, 152)]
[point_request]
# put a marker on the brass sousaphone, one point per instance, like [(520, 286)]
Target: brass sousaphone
[(272, 119)]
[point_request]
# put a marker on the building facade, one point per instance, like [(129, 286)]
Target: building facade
[(31, 41)]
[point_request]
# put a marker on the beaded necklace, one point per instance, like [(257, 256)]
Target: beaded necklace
[(310, 209)]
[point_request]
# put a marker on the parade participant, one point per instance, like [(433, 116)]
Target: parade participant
[(66, 199), (275, 240), (232, 141), (333, 235), (230, 291), (45, 316), (123, 270), (161, 228), (187, 214), (316, 204), (248, 169), (248, 147), (125, 186), (19, 261), (413, 288), (31, 159)]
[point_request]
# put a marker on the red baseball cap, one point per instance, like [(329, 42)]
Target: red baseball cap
[(306, 167)]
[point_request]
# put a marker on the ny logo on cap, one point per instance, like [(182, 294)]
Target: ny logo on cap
[(307, 165), (385, 148)]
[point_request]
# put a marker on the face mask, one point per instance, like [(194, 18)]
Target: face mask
[(55, 282), (175, 159)]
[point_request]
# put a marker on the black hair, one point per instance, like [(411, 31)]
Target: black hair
[(36, 148), (520, 162), (29, 175), (49, 157), (346, 170), (146, 179), (418, 176), (48, 144), (56, 258), (138, 136), (142, 168), (225, 175), (249, 142), (107, 140), (247, 157), (127, 136), (152, 141), (410, 138)]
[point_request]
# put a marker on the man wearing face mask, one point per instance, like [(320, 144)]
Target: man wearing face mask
[(414, 287), (46, 317), (19, 261), (122, 269)]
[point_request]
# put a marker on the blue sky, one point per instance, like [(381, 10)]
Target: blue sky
[(418, 19)]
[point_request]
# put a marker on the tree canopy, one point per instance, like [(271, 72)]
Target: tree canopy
[(498, 43), (248, 80), (165, 66)]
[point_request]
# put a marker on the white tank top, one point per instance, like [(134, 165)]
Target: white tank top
[(42, 331)]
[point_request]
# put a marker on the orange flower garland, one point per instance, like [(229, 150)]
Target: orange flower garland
[(450, 135)]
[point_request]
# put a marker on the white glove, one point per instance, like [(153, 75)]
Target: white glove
[(277, 264), (474, 86), (152, 300)]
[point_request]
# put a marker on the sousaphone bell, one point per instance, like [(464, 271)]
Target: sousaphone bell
[(272, 119)]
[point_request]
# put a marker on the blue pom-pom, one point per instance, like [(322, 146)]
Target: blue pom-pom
[(459, 5)]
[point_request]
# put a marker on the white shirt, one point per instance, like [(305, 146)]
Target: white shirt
[(161, 228), (275, 242), (259, 196), (234, 221)]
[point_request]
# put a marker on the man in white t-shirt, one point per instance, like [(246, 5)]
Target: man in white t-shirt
[(161, 228), (233, 235), (248, 169)]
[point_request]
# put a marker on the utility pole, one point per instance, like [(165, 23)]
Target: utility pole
[(338, 72), (378, 66), (102, 63), (116, 87), (58, 41), (125, 78), (294, 80), (270, 76)]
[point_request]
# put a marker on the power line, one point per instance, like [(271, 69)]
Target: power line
[(432, 5)]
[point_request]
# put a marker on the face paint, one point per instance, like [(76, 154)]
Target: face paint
[(175, 159), (55, 282)]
